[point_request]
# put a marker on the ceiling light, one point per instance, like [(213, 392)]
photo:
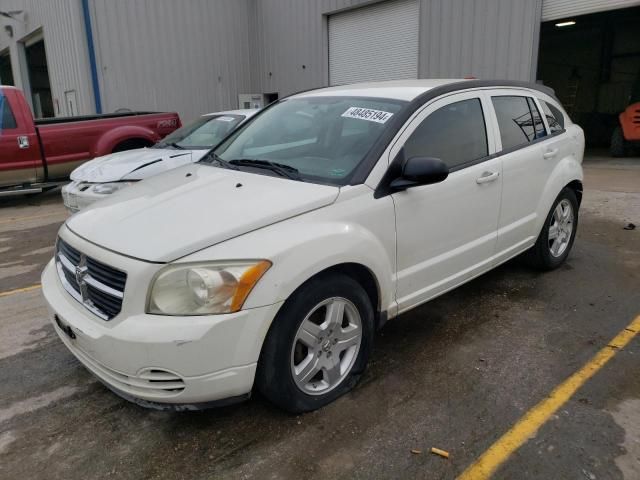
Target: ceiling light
[(565, 24)]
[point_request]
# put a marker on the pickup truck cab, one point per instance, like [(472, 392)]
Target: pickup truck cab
[(102, 176), (34, 155), (270, 263)]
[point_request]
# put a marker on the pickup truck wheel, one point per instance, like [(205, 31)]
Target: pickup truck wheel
[(558, 233), (318, 345), (618, 146)]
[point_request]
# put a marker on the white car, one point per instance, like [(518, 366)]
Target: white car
[(271, 263), (102, 176)]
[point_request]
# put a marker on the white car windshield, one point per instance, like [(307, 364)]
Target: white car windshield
[(315, 139), (203, 134)]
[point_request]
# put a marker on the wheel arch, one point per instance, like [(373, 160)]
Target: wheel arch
[(365, 277)]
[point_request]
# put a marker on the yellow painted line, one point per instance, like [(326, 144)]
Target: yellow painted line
[(528, 425), (32, 217), (19, 290)]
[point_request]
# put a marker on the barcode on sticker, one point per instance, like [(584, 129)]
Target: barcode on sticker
[(369, 114)]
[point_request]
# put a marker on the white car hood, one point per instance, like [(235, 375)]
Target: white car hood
[(134, 164), (193, 207)]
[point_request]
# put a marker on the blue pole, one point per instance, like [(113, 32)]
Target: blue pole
[(92, 55)]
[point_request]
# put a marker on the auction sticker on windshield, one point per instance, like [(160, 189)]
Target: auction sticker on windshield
[(369, 114)]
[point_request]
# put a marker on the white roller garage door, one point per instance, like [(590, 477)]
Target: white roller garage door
[(556, 9), (378, 42)]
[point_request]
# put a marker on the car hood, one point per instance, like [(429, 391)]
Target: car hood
[(134, 164), (193, 207)]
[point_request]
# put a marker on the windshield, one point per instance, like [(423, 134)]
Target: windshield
[(203, 134), (321, 139)]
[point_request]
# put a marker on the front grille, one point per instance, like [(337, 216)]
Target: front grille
[(99, 287)]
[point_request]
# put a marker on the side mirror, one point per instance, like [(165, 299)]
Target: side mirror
[(420, 171)]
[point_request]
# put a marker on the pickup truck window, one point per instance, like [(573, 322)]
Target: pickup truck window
[(202, 134), (455, 133), (7, 118), (323, 138)]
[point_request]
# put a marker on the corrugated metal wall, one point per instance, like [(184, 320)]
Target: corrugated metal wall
[(65, 44), (290, 38), (485, 38), (556, 9), (191, 56)]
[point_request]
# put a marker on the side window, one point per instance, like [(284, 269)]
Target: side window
[(515, 121), (455, 133), (538, 124), (555, 119), (7, 119)]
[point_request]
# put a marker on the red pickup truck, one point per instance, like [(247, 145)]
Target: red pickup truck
[(34, 155)]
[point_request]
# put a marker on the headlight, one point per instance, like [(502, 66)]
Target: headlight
[(203, 289), (107, 188)]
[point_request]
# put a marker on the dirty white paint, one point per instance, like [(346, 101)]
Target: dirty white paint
[(34, 403), (626, 415)]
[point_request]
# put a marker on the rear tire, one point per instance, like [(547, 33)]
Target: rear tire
[(558, 233), (306, 362), (619, 147)]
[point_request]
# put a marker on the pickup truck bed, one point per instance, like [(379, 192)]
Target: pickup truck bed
[(34, 154)]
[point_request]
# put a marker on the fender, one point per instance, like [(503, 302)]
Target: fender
[(106, 142), (566, 171), (301, 249)]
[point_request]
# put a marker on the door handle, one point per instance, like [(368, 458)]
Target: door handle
[(550, 153), (487, 177), (23, 141)]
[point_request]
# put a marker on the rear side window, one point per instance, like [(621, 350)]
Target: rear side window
[(516, 121), (538, 125), (555, 119), (455, 133), (7, 119)]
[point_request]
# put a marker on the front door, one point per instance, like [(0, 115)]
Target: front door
[(19, 149), (446, 232)]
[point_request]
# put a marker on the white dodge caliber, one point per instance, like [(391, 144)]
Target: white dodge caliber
[(270, 263)]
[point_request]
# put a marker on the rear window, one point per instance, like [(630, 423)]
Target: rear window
[(555, 119), (516, 121), (7, 119)]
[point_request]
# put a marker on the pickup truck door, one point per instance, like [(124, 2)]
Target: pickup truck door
[(446, 232), (20, 160)]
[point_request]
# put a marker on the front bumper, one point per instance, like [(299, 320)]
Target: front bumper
[(163, 360)]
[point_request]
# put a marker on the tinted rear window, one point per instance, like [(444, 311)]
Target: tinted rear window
[(555, 119), (515, 121)]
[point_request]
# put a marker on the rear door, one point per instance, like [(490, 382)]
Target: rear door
[(521, 136), (19, 149), (446, 232)]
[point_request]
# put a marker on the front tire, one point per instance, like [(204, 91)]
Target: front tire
[(318, 345), (558, 233)]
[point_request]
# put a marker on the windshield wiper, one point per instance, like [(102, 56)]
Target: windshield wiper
[(213, 159), (281, 169)]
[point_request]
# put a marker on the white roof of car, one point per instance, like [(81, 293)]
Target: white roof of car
[(246, 112), (398, 89)]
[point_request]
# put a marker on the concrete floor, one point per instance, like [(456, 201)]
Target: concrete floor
[(454, 374)]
